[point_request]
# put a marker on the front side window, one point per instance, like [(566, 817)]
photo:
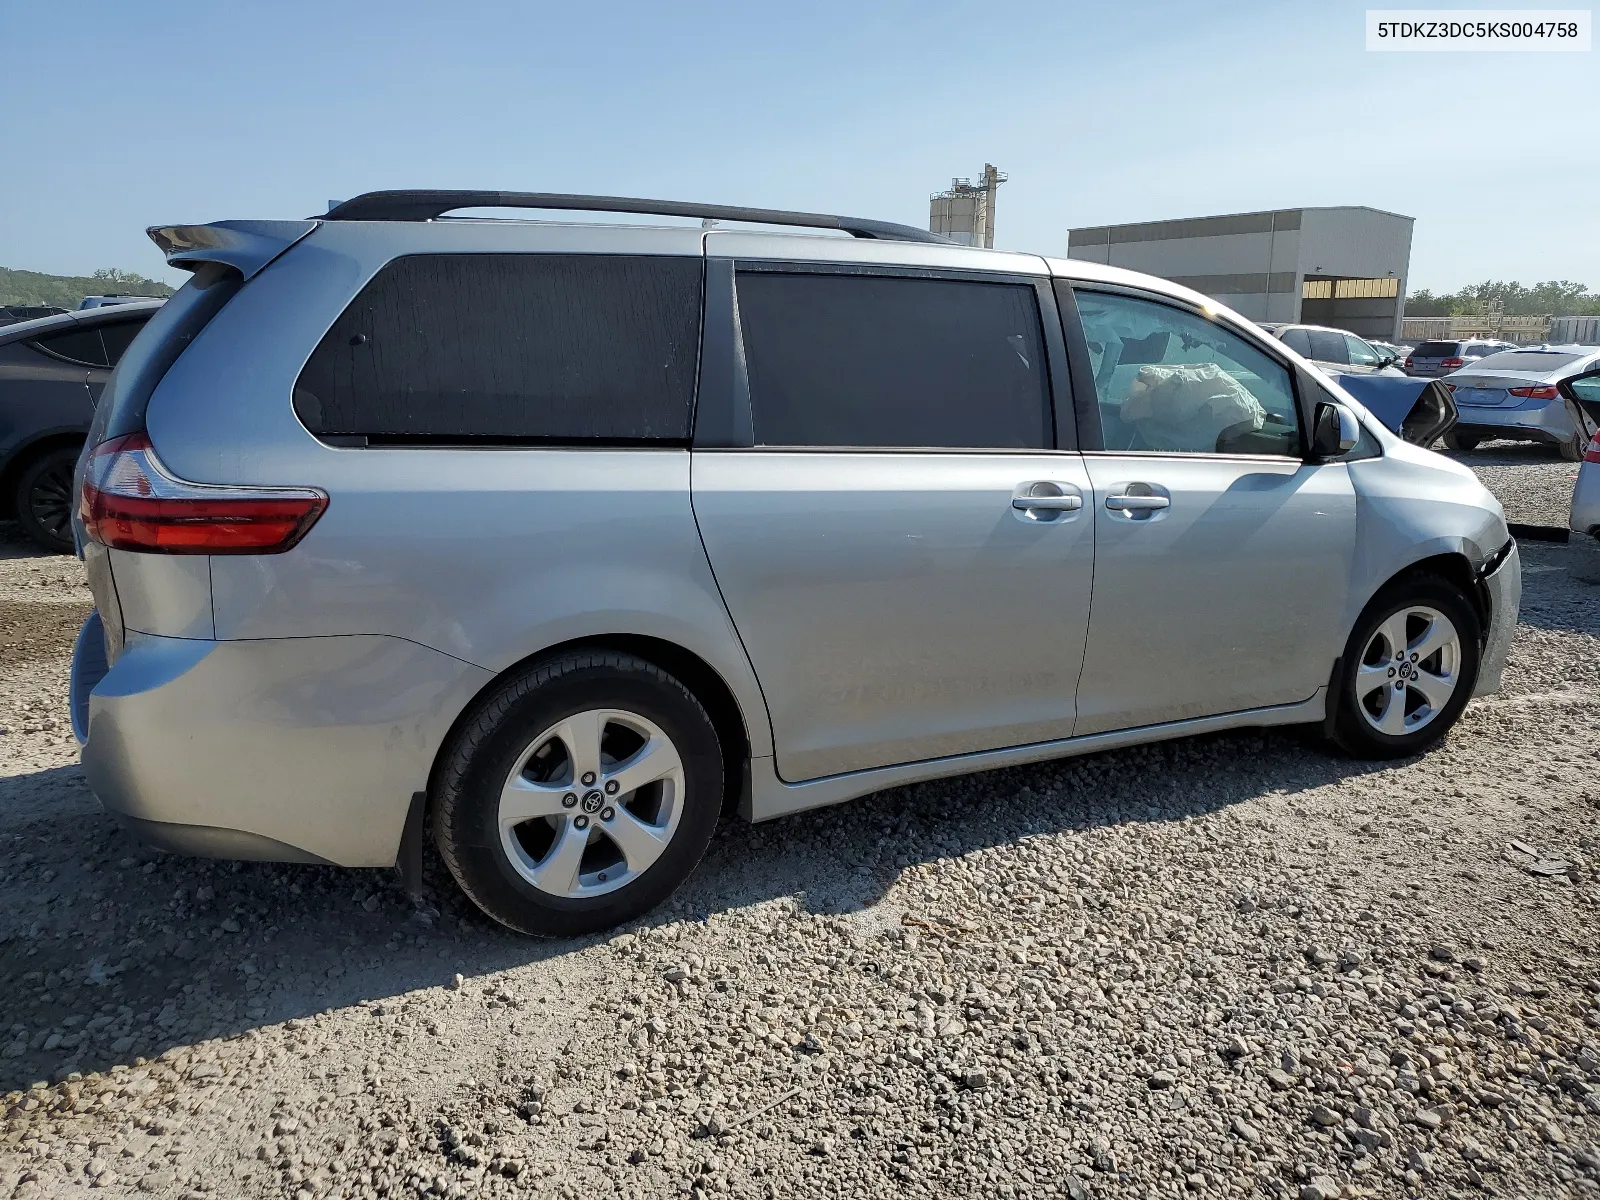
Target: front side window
[(884, 361), (1361, 354), (1169, 380), (511, 347)]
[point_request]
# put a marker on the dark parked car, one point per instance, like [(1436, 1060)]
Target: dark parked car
[(51, 373), (10, 314), (111, 298), (1433, 359)]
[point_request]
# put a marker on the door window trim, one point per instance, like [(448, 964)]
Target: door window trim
[(723, 415), (1091, 437)]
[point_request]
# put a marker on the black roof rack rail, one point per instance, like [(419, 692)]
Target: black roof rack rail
[(405, 205)]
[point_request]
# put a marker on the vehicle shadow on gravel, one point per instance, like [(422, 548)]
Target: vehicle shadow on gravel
[(110, 951)]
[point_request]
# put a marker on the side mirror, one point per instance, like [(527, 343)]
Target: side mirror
[(1335, 432)]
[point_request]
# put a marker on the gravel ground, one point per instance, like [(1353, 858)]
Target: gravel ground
[(1224, 966)]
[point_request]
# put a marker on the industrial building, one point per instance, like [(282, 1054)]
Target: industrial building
[(965, 213), (1345, 267)]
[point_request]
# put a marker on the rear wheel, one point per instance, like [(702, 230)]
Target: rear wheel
[(1408, 670), (44, 499), (580, 795), (1572, 449), (1458, 440)]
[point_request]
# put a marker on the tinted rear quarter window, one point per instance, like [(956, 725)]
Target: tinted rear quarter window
[(1327, 346), (1298, 341), (81, 346), (882, 361), (538, 347), (118, 336)]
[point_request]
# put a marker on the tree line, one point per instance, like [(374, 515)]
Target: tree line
[(1555, 297), (64, 291)]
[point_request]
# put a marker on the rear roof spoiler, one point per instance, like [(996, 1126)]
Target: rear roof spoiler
[(246, 246)]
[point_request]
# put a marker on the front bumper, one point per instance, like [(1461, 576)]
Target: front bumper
[(290, 749), (1503, 586)]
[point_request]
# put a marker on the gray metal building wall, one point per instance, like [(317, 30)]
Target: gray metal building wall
[(1257, 263)]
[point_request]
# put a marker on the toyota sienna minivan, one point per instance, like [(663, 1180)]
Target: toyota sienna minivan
[(550, 541)]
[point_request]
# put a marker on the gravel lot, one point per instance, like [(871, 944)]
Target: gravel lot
[(1225, 966)]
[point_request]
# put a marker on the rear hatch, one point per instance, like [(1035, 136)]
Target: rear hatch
[(1429, 358), (223, 257)]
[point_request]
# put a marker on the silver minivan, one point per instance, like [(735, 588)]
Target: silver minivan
[(550, 542)]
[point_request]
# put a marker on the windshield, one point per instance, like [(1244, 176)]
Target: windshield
[(1435, 350)]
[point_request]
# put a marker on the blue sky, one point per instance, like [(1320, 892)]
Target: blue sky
[(122, 115)]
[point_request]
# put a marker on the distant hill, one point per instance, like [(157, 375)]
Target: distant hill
[(64, 291)]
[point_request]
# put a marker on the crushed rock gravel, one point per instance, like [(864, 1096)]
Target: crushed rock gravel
[(1227, 966)]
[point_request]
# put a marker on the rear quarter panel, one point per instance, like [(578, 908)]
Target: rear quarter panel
[(489, 555)]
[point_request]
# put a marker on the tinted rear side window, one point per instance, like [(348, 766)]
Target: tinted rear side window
[(77, 345), (1435, 350), (539, 347), (858, 360)]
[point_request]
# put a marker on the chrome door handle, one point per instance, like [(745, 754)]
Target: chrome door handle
[(1047, 503), (1137, 503)]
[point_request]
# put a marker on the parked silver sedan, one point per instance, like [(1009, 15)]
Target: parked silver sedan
[(1516, 395), (1584, 391)]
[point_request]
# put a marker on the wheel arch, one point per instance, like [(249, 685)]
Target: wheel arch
[(27, 453), (703, 680), (1454, 568)]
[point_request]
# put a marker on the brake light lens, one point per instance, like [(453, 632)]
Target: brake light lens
[(131, 502), (1452, 363), (1546, 392), (1408, 360)]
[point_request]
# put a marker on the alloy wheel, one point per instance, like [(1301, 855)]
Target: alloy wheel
[(50, 501), (592, 803), (1409, 670)]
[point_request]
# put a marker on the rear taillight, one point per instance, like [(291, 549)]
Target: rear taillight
[(1451, 386), (1450, 364), (1535, 393), (131, 502), (1408, 362), (1592, 454)]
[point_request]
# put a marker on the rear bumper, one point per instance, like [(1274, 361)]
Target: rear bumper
[(1504, 588), (1542, 420), (293, 749)]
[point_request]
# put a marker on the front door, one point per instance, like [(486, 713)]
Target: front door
[(905, 557), (1222, 557)]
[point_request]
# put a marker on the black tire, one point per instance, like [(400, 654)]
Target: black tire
[(465, 796), (1351, 730), (1458, 440), (1572, 449), (44, 499)]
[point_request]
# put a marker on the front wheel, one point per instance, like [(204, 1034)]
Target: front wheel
[(44, 500), (1408, 670), (1458, 440), (579, 795)]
